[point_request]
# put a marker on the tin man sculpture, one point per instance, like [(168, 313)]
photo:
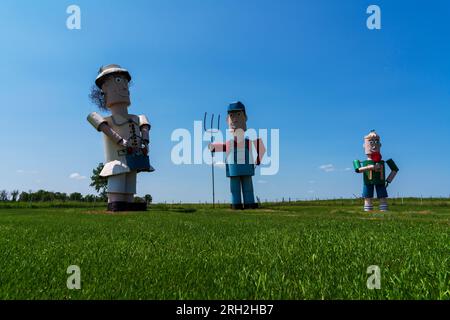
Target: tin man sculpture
[(374, 171), (126, 138), (240, 163)]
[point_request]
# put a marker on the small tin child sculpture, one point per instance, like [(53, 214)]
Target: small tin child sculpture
[(374, 171)]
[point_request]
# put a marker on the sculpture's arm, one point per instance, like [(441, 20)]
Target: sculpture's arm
[(366, 168), (394, 170), (260, 150), (100, 124), (217, 147), (359, 169)]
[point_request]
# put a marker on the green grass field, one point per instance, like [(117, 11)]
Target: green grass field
[(307, 250)]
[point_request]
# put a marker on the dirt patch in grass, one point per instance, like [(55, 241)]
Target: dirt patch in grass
[(343, 211), (423, 212), (107, 213)]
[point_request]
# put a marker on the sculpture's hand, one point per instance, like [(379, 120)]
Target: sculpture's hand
[(124, 143)]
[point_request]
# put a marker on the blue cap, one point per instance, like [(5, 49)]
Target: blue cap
[(236, 106)]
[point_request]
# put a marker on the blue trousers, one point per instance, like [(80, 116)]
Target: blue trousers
[(242, 184), (368, 191)]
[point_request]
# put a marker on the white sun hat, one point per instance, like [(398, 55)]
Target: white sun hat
[(110, 69)]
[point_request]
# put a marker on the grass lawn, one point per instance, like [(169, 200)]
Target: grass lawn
[(310, 250)]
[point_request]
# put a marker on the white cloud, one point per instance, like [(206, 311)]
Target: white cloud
[(327, 168), (262, 181), (348, 169), (77, 176), (311, 181), (22, 171)]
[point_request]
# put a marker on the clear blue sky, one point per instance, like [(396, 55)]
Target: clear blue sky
[(309, 68)]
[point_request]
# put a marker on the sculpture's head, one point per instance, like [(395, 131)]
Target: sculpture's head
[(372, 146), (112, 87), (237, 117)]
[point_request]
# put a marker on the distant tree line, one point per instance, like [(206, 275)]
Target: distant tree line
[(48, 196), (99, 183)]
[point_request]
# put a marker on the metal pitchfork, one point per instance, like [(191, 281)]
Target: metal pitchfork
[(212, 130)]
